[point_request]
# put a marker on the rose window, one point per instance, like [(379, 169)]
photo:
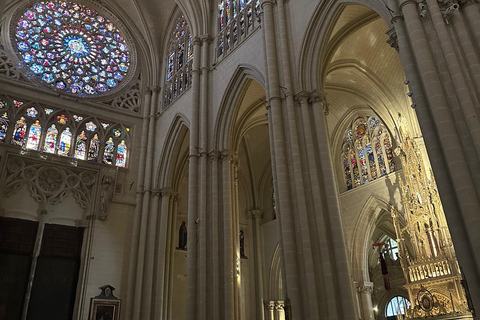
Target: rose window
[(72, 48)]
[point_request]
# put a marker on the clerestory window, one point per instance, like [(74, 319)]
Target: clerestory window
[(179, 62), (236, 20), (367, 152)]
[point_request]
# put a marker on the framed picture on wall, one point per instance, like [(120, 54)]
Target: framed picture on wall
[(105, 306)]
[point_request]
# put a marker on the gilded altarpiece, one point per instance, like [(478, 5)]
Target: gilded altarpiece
[(427, 256)]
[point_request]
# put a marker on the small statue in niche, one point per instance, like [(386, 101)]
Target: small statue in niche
[(242, 245), (182, 237)]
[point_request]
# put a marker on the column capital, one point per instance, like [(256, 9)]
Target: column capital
[(206, 39), (303, 96), (197, 41), (152, 89), (167, 192), (228, 155), (279, 305), (254, 214), (156, 192), (270, 305), (365, 287), (392, 38), (214, 155), (320, 97)]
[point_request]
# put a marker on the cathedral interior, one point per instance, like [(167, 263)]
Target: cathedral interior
[(239, 159)]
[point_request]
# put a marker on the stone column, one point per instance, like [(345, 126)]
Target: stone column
[(257, 236), (271, 309), (228, 240), (282, 183), (163, 241), (469, 50), (193, 181), (472, 14), (334, 243), (279, 310), (202, 178), (365, 296), (148, 285), (215, 288), (138, 206)]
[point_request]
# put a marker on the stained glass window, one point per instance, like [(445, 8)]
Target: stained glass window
[(366, 152), (65, 141), (94, 148), (51, 139), (235, 22), (55, 133), (72, 47), (121, 154), (109, 151), (34, 136), (19, 132), (3, 126), (81, 146), (179, 61)]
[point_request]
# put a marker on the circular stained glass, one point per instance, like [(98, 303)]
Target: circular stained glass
[(72, 48)]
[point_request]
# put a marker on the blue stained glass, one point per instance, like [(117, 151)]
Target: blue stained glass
[(36, 68), (75, 88), (27, 57), (101, 87), (48, 78), (111, 83), (22, 46), (70, 36), (118, 76)]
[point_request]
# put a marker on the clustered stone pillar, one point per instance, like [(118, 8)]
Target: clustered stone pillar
[(136, 284), (314, 261), (447, 106)]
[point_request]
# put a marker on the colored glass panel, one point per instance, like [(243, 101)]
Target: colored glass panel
[(363, 161), (94, 148), (81, 146), (117, 132), (32, 112), (51, 139), (3, 104), (72, 48), (19, 132), (380, 157), (34, 136), (62, 119), (389, 153), (65, 141), (122, 150), (48, 111), (90, 126), (3, 126), (371, 157), (347, 171), (108, 152), (356, 173)]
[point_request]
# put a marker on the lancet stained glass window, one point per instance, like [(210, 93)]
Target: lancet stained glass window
[(56, 131), (366, 152), (179, 61), (72, 48)]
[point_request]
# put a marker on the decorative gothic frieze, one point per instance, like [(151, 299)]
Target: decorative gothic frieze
[(48, 183)]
